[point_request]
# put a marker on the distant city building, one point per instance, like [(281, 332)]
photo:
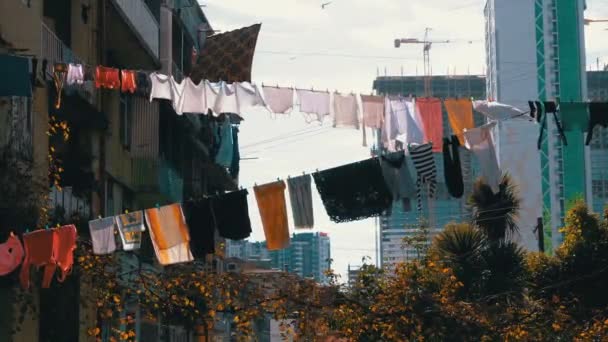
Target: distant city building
[(443, 209), (307, 256), (353, 274)]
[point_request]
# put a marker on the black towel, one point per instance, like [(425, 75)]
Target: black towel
[(451, 167), (232, 215), (199, 217), (354, 191), (598, 115)]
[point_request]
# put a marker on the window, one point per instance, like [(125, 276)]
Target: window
[(125, 121)]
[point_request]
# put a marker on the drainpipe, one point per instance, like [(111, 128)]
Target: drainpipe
[(166, 38)]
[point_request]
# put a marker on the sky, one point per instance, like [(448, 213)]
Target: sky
[(344, 47)]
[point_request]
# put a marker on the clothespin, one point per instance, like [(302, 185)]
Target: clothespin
[(278, 179), (288, 177), (46, 227), (99, 217), (303, 173), (126, 211), (27, 230), (157, 206)]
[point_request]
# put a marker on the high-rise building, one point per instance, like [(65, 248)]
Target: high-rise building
[(436, 213), (535, 51), (307, 256)]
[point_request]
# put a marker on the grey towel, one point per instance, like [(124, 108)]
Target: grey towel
[(102, 235), (300, 195)]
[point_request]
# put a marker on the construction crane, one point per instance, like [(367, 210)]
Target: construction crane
[(590, 21), (426, 51)]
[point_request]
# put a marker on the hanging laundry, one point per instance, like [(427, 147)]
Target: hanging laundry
[(248, 95), (598, 115), (273, 211), (177, 94), (11, 255), (479, 141), (346, 111), (424, 162), (60, 71), (398, 178), (107, 78), (128, 81), (65, 244), (544, 108), (75, 74), (278, 100), (39, 248), (300, 196), (314, 103), (432, 120), (496, 110), (15, 71), (353, 192), (225, 152), (572, 116), (403, 122), (212, 91), (226, 101), (460, 115), (373, 111), (161, 87), (169, 234), (236, 154), (102, 235), (144, 87), (130, 227), (193, 98), (231, 213), (451, 167), (200, 220)]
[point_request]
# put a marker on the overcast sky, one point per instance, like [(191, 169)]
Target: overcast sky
[(343, 47)]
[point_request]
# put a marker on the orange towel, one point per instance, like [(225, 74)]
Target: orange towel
[(169, 234), (65, 244), (107, 78), (432, 121), (271, 202), (460, 114), (39, 252), (128, 83)]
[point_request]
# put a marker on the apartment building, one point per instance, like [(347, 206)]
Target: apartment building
[(124, 152)]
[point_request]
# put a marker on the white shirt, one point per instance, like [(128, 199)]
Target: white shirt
[(161, 87), (193, 97)]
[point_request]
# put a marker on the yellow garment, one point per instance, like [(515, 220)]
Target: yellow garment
[(271, 203), (169, 234), (460, 114)]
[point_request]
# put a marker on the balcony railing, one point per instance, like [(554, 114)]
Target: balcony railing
[(154, 176), (142, 21), (55, 51)]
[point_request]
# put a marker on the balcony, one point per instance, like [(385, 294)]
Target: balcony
[(55, 51), (141, 20), (157, 177)]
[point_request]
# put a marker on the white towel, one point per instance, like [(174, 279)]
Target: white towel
[(102, 235), (314, 102), (346, 111)]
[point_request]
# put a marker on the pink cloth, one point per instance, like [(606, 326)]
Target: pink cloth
[(11, 255), (314, 102), (279, 100), (346, 111), (373, 110), (432, 121)]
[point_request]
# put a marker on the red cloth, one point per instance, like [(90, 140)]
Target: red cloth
[(128, 81), (11, 255), (107, 78), (38, 252), (63, 249), (432, 121)]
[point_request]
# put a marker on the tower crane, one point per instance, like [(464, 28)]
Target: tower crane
[(590, 21), (426, 51)]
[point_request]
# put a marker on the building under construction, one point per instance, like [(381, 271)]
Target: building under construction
[(443, 209)]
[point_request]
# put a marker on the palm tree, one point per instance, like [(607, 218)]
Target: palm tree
[(494, 213)]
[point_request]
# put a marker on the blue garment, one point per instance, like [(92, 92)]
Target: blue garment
[(225, 152), (16, 78)]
